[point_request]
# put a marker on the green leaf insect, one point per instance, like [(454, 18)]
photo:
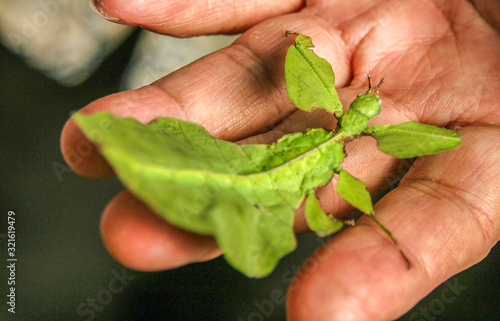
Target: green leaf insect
[(246, 195)]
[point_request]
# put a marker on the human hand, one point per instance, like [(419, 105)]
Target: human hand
[(440, 62)]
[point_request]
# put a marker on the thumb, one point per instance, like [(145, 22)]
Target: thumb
[(189, 18)]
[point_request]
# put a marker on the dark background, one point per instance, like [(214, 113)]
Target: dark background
[(62, 262)]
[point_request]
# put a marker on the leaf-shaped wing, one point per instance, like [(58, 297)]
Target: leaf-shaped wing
[(309, 79), (412, 139), (354, 192), (244, 195), (317, 220)]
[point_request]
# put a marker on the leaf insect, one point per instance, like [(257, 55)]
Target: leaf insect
[(170, 164)]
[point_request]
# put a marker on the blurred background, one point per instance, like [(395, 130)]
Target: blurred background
[(56, 57)]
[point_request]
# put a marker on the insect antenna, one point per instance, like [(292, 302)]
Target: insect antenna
[(369, 84), (376, 89)]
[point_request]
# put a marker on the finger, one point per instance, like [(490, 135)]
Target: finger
[(188, 18), (141, 240), (144, 104), (445, 214), (234, 93)]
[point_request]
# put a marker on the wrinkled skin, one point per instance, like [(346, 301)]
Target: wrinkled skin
[(442, 66)]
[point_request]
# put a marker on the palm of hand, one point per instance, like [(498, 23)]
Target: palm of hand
[(439, 60)]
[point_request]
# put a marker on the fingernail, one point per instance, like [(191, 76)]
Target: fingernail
[(97, 8)]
